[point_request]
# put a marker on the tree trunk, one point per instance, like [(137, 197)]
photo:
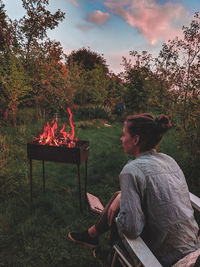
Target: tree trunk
[(14, 115), (5, 114)]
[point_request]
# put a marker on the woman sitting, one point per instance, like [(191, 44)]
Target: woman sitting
[(154, 200)]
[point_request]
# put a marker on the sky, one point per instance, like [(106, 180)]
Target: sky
[(113, 28)]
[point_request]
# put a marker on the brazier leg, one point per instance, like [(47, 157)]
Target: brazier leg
[(30, 179), (79, 182), (43, 176), (86, 178)]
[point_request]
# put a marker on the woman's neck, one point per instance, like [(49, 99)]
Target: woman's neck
[(136, 152)]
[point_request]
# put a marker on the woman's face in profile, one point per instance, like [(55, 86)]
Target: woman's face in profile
[(128, 142)]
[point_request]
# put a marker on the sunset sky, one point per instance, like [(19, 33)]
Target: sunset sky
[(115, 27)]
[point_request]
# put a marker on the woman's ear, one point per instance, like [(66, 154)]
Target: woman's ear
[(136, 139)]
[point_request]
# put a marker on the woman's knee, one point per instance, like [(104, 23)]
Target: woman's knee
[(116, 193)]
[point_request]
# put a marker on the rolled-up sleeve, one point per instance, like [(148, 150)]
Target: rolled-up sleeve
[(131, 217)]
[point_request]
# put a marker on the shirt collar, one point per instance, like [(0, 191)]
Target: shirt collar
[(151, 151)]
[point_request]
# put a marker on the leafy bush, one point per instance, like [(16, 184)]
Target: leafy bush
[(13, 160), (26, 115), (91, 112), (189, 139), (7, 183)]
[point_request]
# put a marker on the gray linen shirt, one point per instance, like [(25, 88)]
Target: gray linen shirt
[(155, 204)]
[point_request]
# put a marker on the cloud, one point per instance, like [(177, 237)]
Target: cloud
[(74, 2), (84, 27), (98, 17), (155, 21)]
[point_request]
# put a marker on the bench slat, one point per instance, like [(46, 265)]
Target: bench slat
[(195, 201), (143, 253)]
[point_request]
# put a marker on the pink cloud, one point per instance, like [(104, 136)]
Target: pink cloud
[(98, 17), (74, 2), (156, 22)]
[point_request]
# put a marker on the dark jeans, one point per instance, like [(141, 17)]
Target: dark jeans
[(102, 223)]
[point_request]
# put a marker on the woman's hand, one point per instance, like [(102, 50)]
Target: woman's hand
[(113, 209)]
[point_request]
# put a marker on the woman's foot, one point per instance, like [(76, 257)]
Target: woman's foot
[(83, 238)]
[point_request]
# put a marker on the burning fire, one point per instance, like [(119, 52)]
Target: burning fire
[(53, 137)]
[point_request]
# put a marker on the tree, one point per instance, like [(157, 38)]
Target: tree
[(7, 32), (87, 59), (93, 86), (89, 86), (51, 78), (138, 79), (180, 60), (89, 77), (14, 84), (41, 56), (178, 65), (33, 27), (4, 28)]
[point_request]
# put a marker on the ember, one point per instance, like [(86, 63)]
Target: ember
[(54, 137)]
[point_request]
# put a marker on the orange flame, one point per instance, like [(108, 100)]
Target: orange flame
[(52, 137), (71, 123)]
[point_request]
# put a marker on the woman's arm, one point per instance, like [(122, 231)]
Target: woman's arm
[(113, 209), (131, 217)]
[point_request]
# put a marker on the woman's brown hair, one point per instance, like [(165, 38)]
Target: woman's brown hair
[(150, 129)]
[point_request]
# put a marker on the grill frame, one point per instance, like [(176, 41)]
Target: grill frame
[(75, 155)]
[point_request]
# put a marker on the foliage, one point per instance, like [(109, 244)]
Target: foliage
[(170, 84), (11, 177), (51, 79), (42, 57), (190, 138), (4, 158), (89, 86), (26, 115), (35, 53), (14, 84), (87, 59), (90, 79), (139, 81), (178, 63), (34, 25), (94, 86), (4, 28), (91, 112)]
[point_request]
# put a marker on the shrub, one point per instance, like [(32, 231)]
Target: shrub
[(26, 115), (91, 112), (6, 176)]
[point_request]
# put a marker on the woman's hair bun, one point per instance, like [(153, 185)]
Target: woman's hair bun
[(164, 124)]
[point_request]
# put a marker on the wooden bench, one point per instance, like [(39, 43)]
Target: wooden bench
[(139, 253)]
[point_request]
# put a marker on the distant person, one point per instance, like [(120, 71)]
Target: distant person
[(120, 109), (154, 199)]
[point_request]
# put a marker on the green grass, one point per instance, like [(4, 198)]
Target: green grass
[(36, 235)]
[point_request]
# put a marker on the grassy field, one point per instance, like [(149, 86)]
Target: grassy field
[(36, 235)]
